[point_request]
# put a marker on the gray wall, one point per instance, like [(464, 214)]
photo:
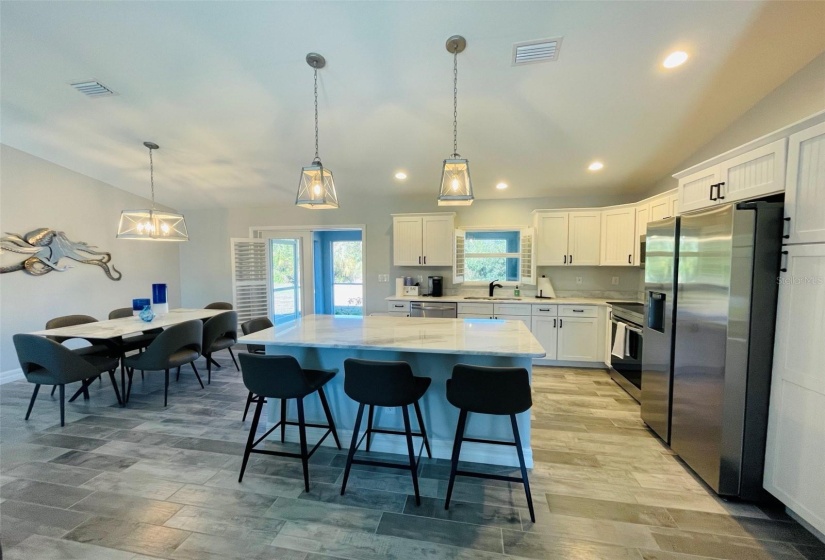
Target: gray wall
[(800, 96), (36, 193)]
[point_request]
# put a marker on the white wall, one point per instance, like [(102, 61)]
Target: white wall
[(35, 193), (205, 266), (802, 95)]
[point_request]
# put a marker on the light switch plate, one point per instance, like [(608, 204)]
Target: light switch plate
[(615, 281)]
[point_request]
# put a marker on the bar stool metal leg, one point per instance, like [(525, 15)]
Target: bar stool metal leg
[(411, 450), (246, 408), (283, 420), (302, 431), (328, 414), (523, 467), (352, 446), (256, 416), (423, 429), (62, 405), (459, 437), (370, 416)]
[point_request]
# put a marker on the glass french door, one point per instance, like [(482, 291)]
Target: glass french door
[(290, 275)]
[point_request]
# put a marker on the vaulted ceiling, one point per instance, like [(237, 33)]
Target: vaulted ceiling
[(224, 89)]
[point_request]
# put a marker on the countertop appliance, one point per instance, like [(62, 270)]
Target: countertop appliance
[(662, 261), (724, 304), (433, 309), (435, 286), (626, 368)]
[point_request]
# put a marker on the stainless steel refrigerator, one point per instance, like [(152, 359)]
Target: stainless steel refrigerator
[(723, 310)]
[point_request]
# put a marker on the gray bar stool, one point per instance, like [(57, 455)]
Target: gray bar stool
[(489, 390)]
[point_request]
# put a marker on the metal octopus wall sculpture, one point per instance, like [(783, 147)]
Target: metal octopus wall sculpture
[(46, 248)]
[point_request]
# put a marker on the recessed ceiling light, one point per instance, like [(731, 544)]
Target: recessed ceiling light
[(674, 59), (502, 186), (595, 166), (401, 175)]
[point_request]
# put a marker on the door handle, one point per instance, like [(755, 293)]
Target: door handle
[(787, 235), (630, 259), (398, 306), (419, 260), (540, 309), (565, 259), (719, 191), (571, 259), (783, 268), (425, 259), (578, 311), (554, 323), (711, 191)]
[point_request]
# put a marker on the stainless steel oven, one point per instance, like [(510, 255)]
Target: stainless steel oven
[(626, 359)]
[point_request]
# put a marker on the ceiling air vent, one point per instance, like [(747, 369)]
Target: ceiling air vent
[(540, 50), (92, 88)]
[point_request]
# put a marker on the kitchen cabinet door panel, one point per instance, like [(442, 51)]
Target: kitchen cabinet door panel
[(584, 238), (642, 218), (805, 186), (438, 240), (578, 340), (407, 242), (756, 173), (618, 237), (551, 229), (694, 192), (545, 330)]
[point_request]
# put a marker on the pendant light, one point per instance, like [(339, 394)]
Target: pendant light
[(456, 186), (152, 225), (316, 188)]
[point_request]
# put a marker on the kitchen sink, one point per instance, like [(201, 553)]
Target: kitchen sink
[(486, 298)]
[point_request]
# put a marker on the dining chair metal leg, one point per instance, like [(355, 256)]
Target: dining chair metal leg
[(31, 402), (411, 451), (352, 446), (328, 413), (246, 408), (196, 373), (302, 432), (208, 369), (234, 361), (114, 386), (523, 467), (62, 405), (459, 437), (177, 375), (128, 391), (217, 365), (423, 429), (283, 419), (370, 416), (54, 388), (256, 416), (166, 387)]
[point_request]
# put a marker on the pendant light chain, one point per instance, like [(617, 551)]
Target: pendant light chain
[(152, 177), (455, 102), (316, 114)]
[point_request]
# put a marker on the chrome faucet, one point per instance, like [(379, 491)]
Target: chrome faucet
[(493, 286)]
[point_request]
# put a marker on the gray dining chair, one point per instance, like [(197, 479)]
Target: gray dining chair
[(132, 343), (94, 348), (219, 305), (219, 333), (176, 346), (249, 327), (46, 362)]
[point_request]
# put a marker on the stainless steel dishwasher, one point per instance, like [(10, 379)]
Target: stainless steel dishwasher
[(434, 309)]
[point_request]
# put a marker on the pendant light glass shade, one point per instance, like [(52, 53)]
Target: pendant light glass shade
[(456, 186), (316, 188), (152, 225)]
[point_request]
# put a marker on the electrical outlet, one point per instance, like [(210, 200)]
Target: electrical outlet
[(578, 279), (383, 277), (615, 281)]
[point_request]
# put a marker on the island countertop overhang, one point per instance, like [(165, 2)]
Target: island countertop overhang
[(405, 334)]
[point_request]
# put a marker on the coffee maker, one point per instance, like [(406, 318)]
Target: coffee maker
[(435, 285)]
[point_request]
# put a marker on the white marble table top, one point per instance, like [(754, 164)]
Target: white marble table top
[(126, 326), (405, 334)]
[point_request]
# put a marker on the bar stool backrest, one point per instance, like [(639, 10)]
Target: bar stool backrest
[(277, 377), (253, 326), (379, 383), (490, 390)]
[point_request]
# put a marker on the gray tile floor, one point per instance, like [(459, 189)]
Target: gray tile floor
[(154, 482)]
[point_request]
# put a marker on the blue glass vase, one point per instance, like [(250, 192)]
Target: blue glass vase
[(147, 314)]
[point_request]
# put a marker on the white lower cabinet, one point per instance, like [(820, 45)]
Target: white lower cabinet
[(795, 452), (545, 329), (578, 339)]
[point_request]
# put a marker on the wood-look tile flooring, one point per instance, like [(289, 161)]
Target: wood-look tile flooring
[(154, 482)]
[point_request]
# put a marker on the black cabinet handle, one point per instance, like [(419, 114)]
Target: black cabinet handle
[(783, 268), (711, 191), (425, 260), (560, 323), (540, 309), (398, 305), (571, 259), (419, 260), (565, 259), (787, 235), (578, 311), (554, 323), (630, 259), (719, 191)]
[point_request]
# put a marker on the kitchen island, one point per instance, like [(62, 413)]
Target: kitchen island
[(432, 347)]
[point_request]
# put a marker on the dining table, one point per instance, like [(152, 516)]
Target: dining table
[(112, 331)]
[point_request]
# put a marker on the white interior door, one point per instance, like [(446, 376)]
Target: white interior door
[(291, 274)]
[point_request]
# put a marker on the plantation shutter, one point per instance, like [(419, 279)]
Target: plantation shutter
[(528, 256), (250, 278), (458, 259)]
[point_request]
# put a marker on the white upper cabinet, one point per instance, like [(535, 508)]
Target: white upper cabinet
[(551, 232), (619, 240), (674, 203), (756, 173), (642, 218), (805, 194), (660, 208), (568, 238), (423, 239)]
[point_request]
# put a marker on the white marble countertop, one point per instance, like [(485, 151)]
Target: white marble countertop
[(126, 326), (405, 334), (506, 299)]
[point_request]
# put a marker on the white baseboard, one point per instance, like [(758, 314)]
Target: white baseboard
[(11, 375)]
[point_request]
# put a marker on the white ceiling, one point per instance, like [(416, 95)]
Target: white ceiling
[(224, 89)]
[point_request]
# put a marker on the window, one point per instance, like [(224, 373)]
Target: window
[(492, 255), (347, 281)]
